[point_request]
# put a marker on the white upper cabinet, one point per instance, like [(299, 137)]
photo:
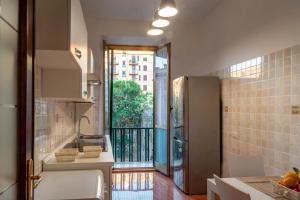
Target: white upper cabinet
[(78, 37), (61, 39)]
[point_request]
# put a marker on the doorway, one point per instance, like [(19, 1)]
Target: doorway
[(136, 105)]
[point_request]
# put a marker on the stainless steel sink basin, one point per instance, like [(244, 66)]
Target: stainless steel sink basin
[(87, 142)]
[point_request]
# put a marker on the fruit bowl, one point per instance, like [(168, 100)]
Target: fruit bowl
[(285, 191)]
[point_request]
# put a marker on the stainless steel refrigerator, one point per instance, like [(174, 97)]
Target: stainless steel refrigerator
[(196, 132)]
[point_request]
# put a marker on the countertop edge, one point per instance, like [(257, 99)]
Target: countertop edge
[(90, 163)]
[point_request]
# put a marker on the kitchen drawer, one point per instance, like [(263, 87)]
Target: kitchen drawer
[(9, 10), (8, 64), (8, 147)]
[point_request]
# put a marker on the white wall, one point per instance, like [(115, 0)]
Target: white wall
[(241, 29), (126, 32), (181, 36), (234, 31)]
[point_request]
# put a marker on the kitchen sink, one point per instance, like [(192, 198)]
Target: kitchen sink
[(101, 141)]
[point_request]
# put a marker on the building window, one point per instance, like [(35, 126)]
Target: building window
[(124, 63), (145, 78), (139, 67), (145, 59), (133, 70), (145, 87), (145, 67), (133, 59), (139, 77), (123, 73)]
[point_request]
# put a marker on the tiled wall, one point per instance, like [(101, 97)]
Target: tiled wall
[(96, 107), (54, 123), (261, 99)]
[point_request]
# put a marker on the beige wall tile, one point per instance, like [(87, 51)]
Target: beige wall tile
[(259, 120)]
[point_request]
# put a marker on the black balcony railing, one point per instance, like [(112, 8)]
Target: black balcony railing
[(132, 144)]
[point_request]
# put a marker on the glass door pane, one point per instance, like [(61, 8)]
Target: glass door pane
[(107, 89), (132, 107), (161, 110)]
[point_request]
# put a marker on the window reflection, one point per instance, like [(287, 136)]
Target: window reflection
[(249, 69)]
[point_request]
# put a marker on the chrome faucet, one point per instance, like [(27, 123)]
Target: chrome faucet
[(79, 125)]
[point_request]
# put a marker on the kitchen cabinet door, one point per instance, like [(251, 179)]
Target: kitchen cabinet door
[(78, 41), (9, 10), (8, 147), (8, 64)]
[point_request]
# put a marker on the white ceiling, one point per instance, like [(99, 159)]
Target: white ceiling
[(142, 10)]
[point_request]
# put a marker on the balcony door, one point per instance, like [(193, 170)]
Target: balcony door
[(107, 77), (162, 109), (129, 104)]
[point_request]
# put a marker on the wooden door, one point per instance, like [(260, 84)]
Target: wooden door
[(16, 102), (8, 101), (25, 93)]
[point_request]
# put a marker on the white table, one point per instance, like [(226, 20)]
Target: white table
[(255, 194)]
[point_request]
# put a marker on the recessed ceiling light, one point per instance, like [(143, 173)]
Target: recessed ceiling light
[(160, 23), (167, 8), (155, 32)]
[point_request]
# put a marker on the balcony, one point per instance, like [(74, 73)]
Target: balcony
[(133, 72), (132, 147), (133, 62)]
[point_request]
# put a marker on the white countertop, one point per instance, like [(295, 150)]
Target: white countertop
[(83, 184), (105, 158)]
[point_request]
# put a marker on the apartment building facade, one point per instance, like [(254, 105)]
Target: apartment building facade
[(136, 66)]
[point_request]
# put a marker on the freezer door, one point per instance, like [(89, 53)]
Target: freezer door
[(180, 163), (179, 114)]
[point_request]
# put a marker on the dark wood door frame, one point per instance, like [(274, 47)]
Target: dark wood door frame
[(25, 92)]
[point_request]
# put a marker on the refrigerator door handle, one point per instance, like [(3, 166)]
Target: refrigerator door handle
[(179, 141)]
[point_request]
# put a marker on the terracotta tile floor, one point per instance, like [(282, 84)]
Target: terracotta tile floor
[(147, 186)]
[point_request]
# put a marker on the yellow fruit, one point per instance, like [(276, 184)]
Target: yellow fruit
[(290, 182), (291, 175)]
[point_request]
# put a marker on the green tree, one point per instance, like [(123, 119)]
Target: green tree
[(129, 104)]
